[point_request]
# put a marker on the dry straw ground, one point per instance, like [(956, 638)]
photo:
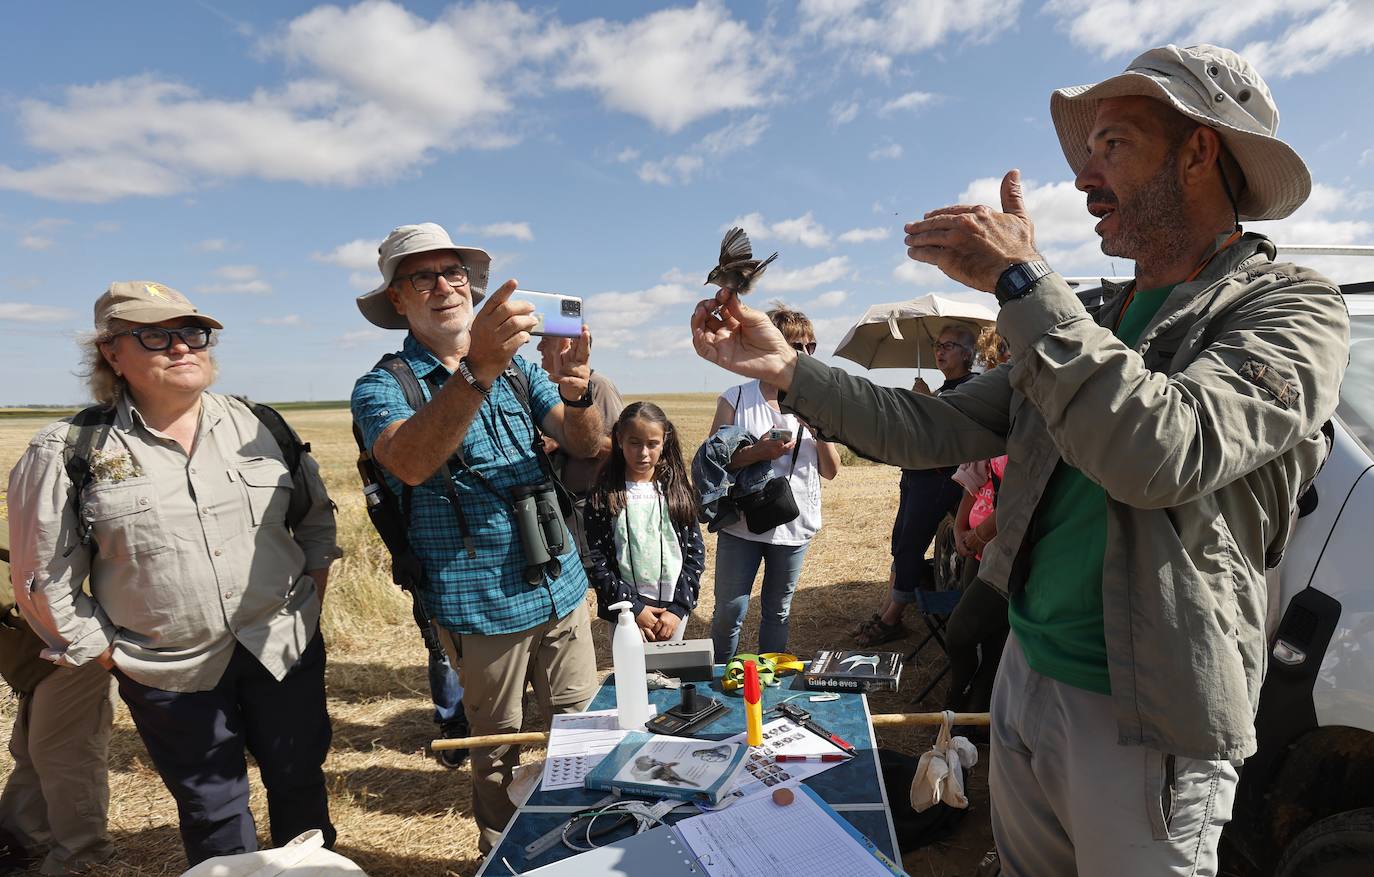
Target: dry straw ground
[(401, 815)]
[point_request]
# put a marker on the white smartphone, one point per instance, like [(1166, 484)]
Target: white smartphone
[(558, 315), (780, 435)]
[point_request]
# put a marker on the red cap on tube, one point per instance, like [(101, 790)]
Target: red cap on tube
[(751, 682)]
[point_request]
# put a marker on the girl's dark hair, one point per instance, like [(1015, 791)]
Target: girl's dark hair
[(670, 475)]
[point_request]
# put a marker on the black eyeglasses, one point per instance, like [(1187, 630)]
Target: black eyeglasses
[(808, 347), (947, 346), (425, 281), (157, 338)]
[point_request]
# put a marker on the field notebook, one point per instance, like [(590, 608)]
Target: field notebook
[(669, 767), (754, 838)]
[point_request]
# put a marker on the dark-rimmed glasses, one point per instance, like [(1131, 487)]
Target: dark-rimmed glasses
[(425, 281), (808, 347), (156, 338), (948, 346)]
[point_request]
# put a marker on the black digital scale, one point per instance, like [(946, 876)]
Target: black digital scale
[(695, 711)]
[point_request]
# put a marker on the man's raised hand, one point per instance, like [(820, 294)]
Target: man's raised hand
[(498, 331), (975, 244), (571, 369), (742, 340)]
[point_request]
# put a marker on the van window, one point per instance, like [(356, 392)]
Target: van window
[(1356, 408)]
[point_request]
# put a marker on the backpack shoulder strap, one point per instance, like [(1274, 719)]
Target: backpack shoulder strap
[(399, 369), (87, 433), (292, 449)]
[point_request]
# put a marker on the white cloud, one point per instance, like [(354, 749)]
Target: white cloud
[(674, 66), (822, 273), (804, 229), (609, 312), (285, 320), (518, 230), (30, 313), (626, 155), (833, 298), (885, 152), (843, 112), (237, 279), (677, 275), (898, 27), (717, 144), (1328, 217), (35, 242), (363, 337), (1298, 36), (926, 277), (351, 115), (212, 245), (1340, 29), (359, 255), (875, 64), (864, 235), (912, 100), (660, 343)]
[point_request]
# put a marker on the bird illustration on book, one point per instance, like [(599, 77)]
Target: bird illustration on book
[(853, 662), (737, 269), (651, 768)]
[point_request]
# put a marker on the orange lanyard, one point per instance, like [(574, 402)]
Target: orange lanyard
[(1130, 297)]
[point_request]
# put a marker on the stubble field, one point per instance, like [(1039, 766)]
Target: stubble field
[(401, 815)]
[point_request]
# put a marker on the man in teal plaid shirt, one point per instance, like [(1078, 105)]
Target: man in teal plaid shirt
[(500, 629)]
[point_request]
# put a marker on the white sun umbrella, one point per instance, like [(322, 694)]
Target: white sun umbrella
[(903, 334)]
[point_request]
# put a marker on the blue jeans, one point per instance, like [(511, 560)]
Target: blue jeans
[(737, 562), (444, 689)]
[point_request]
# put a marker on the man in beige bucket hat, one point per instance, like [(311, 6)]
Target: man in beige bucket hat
[(464, 460), (1155, 447)]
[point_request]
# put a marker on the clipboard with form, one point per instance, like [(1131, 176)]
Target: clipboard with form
[(803, 839)]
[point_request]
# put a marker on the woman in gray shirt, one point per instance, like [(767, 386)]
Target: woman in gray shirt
[(204, 599)]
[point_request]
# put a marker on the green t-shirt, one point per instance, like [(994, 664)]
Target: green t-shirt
[(1057, 617)]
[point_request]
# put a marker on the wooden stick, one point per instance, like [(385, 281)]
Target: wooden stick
[(880, 720)]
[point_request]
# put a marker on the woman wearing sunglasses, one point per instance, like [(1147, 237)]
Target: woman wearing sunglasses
[(739, 550), (204, 600)]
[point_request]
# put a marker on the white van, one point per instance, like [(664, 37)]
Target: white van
[(1305, 805)]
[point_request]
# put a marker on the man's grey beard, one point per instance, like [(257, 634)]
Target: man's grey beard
[(1151, 225)]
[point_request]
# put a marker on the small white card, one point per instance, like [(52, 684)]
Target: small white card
[(577, 743)]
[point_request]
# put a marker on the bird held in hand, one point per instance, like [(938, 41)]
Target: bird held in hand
[(738, 269)]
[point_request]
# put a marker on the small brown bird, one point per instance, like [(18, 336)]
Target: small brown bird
[(738, 269)]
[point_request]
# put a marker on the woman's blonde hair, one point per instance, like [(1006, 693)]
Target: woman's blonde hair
[(103, 383), (793, 324), (991, 348)]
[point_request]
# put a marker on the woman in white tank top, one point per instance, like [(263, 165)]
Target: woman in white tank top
[(754, 406)]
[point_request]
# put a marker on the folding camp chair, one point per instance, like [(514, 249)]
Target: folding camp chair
[(935, 606)]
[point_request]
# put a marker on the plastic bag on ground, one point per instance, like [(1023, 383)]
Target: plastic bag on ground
[(303, 856), (940, 773)]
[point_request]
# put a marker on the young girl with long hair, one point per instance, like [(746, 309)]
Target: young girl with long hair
[(644, 542)]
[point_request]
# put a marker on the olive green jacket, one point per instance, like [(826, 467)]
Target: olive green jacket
[(1201, 436)]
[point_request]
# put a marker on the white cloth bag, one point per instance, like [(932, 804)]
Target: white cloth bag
[(940, 773), (303, 856)]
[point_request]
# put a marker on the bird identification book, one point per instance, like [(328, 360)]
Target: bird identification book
[(854, 671), (669, 767)]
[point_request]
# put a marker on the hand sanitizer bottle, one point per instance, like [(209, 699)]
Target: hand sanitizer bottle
[(627, 652)]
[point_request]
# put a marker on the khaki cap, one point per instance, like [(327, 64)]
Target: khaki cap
[(407, 240), (1214, 87), (146, 301)]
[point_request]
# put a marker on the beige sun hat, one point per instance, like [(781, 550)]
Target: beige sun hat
[(407, 240), (1217, 88), (145, 301)]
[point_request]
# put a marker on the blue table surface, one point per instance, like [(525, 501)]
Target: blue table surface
[(854, 788)]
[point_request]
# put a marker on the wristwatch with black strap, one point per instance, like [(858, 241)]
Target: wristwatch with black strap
[(585, 401), (1019, 279)]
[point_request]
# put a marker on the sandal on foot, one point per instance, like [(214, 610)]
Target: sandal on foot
[(864, 625), (880, 632)]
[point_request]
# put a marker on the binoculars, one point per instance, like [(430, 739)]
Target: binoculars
[(543, 535)]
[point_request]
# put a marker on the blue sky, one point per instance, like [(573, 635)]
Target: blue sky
[(253, 156)]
